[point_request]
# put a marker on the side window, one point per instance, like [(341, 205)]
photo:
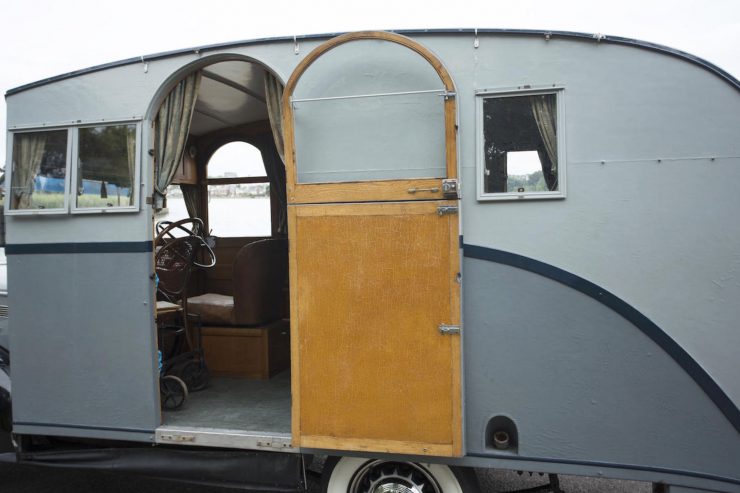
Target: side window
[(39, 171), (520, 148), (238, 192), (106, 167)]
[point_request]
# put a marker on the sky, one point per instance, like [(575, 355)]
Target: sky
[(43, 38)]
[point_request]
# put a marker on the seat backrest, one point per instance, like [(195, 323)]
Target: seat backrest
[(260, 281)]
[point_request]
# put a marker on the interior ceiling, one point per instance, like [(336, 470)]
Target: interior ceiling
[(231, 93)]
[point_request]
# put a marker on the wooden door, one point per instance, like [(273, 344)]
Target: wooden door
[(374, 253)]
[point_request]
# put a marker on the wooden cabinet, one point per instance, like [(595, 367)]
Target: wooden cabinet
[(259, 352), (187, 172)]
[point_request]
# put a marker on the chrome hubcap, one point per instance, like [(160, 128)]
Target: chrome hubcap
[(393, 477)]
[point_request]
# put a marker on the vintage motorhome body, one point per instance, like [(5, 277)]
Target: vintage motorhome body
[(509, 249)]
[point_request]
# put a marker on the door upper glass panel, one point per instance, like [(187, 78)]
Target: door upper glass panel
[(369, 110)]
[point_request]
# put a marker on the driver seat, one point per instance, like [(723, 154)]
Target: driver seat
[(259, 279)]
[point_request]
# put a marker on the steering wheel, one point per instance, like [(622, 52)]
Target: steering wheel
[(165, 231), (167, 228)]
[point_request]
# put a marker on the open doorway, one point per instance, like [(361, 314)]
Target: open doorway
[(230, 184)]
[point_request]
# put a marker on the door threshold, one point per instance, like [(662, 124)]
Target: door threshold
[(225, 438)]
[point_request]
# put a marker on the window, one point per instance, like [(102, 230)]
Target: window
[(106, 166), (238, 192), (104, 178), (39, 171), (520, 146)]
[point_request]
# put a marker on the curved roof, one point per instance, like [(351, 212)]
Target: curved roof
[(599, 38)]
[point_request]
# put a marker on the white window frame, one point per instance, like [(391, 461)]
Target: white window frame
[(482, 94), (136, 188), (9, 174)]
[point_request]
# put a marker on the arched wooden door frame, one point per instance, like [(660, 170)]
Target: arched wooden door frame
[(371, 190), (346, 212)]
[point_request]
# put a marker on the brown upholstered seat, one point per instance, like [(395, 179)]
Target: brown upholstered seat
[(260, 274)]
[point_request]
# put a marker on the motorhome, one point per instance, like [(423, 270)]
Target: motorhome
[(485, 249)]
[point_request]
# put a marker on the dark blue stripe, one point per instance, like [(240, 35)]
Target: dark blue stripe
[(655, 333), (82, 427), (609, 465), (104, 247)]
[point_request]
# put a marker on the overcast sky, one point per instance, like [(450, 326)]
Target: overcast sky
[(39, 39)]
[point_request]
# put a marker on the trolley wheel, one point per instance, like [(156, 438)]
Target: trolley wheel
[(195, 374), (172, 392), (358, 475)]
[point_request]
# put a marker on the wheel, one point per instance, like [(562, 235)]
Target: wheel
[(172, 392), (195, 374), (358, 475)]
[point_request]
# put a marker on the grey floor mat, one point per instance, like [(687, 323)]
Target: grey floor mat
[(237, 404)]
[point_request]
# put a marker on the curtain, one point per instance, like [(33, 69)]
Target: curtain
[(192, 195), (275, 170), (274, 100), (28, 152), (131, 159), (544, 111), (273, 153), (172, 128)]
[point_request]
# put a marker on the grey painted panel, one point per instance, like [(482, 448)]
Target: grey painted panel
[(83, 341), (377, 138), (369, 137), (664, 236), (579, 381)]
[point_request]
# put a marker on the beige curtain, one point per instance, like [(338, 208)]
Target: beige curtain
[(274, 155), (544, 112), (274, 100), (28, 151), (172, 128), (131, 158)]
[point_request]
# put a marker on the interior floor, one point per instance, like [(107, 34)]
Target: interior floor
[(237, 404)]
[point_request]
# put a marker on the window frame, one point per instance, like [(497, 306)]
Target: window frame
[(243, 180), (480, 95), (74, 209), (71, 169), (9, 173)]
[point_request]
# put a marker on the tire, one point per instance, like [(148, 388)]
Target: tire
[(172, 392), (359, 475)]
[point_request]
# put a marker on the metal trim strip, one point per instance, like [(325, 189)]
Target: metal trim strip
[(82, 427)]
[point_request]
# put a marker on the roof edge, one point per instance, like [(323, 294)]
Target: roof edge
[(598, 38)]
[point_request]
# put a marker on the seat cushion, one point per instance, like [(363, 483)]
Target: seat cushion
[(214, 309)]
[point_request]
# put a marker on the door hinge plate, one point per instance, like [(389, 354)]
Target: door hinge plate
[(172, 437), (445, 329)]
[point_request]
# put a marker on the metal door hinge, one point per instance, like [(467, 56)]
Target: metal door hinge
[(445, 329), (178, 438), (450, 188), (443, 210)]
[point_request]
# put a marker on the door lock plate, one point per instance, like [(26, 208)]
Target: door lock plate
[(450, 188)]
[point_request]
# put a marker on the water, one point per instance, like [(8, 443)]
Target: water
[(228, 217)]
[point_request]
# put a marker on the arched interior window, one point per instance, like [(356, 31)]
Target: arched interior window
[(238, 192)]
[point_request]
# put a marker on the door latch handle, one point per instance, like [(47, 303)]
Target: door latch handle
[(445, 329), (414, 190)]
